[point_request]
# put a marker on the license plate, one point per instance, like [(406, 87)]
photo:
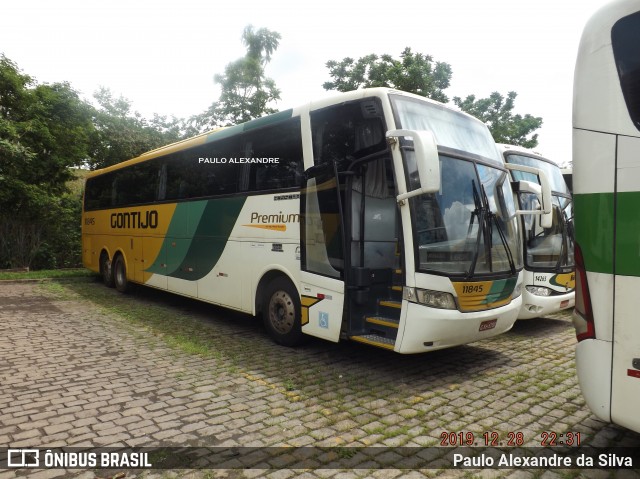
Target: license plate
[(486, 325)]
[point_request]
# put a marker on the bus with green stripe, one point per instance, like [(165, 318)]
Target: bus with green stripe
[(606, 192), (375, 216), (549, 269)]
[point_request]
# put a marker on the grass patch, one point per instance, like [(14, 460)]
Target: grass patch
[(47, 274), (189, 344), (56, 291)]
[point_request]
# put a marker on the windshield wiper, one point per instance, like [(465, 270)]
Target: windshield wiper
[(480, 213), (567, 237), (493, 218), (485, 220), (488, 231)]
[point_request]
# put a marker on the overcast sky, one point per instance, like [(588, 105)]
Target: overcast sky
[(163, 55)]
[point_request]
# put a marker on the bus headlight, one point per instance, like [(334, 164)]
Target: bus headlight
[(539, 290), (517, 291), (434, 299)]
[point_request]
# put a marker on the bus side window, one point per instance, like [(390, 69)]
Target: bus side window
[(98, 192), (200, 172), (625, 36), (277, 150), (347, 132), (161, 193)]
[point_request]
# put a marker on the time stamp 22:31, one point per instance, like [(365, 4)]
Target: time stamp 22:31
[(510, 439)]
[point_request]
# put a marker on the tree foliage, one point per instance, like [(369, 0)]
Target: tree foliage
[(412, 72), (505, 126), (418, 73), (121, 134), (246, 90), (46, 132)]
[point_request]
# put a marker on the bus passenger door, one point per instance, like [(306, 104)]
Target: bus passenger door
[(322, 286)]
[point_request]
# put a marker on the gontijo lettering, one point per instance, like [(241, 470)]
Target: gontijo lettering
[(135, 219)]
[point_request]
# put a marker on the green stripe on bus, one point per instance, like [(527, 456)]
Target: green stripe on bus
[(500, 290), (177, 240), (267, 120), (196, 237), (210, 238), (628, 234), (250, 125), (594, 221)]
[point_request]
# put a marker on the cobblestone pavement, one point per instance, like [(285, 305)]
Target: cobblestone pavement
[(82, 365)]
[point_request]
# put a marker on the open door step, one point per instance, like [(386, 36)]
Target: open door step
[(390, 303), (382, 321), (375, 340)]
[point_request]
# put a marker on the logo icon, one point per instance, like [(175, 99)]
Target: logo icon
[(23, 458)]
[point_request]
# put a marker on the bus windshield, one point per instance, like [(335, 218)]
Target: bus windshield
[(553, 172), (451, 129), (546, 248), (469, 226)]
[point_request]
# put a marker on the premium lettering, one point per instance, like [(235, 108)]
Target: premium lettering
[(279, 218)]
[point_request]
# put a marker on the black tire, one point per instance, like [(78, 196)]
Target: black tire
[(106, 271), (281, 312), (120, 274)]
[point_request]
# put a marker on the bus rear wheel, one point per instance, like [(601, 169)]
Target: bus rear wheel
[(120, 274), (106, 271), (281, 313)]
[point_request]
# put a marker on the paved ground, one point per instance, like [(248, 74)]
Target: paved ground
[(81, 365)]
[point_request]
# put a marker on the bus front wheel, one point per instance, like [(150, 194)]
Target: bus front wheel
[(120, 274), (281, 313)]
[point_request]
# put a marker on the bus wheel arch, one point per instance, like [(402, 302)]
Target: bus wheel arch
[(279, 303), (106, 269), (119, 273)]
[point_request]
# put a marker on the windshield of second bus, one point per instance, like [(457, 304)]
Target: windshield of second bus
[(546, 248)]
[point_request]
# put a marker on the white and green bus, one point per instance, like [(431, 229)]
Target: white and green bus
[(376, 216), (549, 269), (606, 187)]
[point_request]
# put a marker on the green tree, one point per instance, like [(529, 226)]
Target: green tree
[(412, 72), (505, 126), (246, 90), (418, 73), (121, 134), (44, 131)]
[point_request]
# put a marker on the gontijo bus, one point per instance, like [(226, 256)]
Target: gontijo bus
[(404, 234), (606, 187), (549, 274)]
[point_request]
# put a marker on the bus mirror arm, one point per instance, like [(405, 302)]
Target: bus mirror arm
[(542, 191), (316, 170), (427, 160)]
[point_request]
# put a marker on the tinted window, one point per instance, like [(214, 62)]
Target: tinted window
[(347, 132), (205, 170), (625, 37), (135, 185), (274, 154), (263, 159)]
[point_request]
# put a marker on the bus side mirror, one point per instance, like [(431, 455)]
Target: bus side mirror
[(542, 191), (317, 170), (427, 161)]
